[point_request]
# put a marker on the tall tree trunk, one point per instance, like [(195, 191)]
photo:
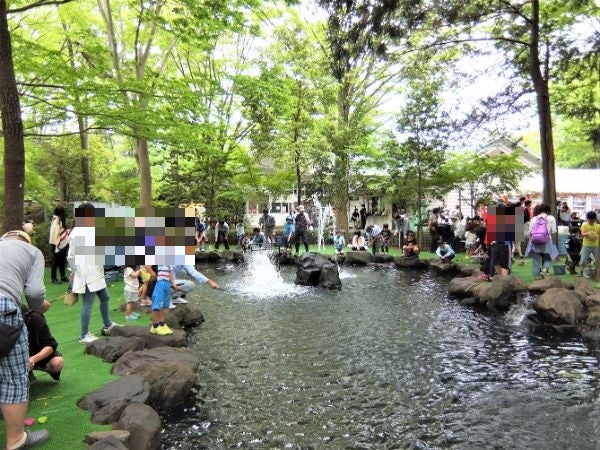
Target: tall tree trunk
[(85, 160), (143, 160), (12, 130), (342, 161), (540, 84)]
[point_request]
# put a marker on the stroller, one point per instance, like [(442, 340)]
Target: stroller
[(573, 246)]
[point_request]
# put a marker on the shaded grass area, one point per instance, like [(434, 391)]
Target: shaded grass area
[(82, 374)]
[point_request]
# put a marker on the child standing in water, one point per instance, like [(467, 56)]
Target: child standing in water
[(161, 299)]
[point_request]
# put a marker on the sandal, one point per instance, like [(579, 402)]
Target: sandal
[(33, 439)]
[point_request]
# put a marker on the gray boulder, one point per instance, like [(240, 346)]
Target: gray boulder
[(177, 339), (545, 284), (184, 316), (314, 269), (462, 286), (560, 306), (411, 262), (112, 348), (443, 268), (359, 258), (107, 403), (143, 424), (161, 356), (502, 292), (95, 436), (383, 258), (108, 443), (585, 287)]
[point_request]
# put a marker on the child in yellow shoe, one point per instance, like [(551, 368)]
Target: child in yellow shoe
[(161, 299)]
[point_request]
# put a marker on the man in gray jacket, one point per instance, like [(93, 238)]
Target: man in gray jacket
[(21, 273)]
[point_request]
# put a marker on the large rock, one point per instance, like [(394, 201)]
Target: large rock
[(232, 255), (143, 424), (468, 271), (112, 348), (560, 306), (497, 295), (177, 339), (383, 258), (502, 292), (184, 316), (314, 269), (545, 284), (411, 262), (95, 436), (330, 276), (107, 403), (359, 258), (160, 356), (108, 443), (170, 372), (584, 286), (462, 286), (443, 268)]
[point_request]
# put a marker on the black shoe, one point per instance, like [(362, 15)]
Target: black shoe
[(65, 279), (55, 376), (55, 282)]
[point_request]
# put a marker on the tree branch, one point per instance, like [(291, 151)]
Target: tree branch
[(36, 4)]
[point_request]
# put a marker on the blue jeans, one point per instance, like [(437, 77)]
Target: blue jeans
[(86, 309), (540, 260)]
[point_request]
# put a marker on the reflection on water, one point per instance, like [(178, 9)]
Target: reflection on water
[(386, 362)]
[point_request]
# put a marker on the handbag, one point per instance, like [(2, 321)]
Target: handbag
[(70, 298), (63, 240), (8, 338)]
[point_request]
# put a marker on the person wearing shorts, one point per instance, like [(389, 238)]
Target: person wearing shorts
[(161, 299), (21, 273), (131, 291)]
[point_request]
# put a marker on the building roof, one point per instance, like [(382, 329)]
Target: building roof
[(568, 181), (505, 146)]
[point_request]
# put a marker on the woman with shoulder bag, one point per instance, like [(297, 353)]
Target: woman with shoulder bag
[(59, 244)]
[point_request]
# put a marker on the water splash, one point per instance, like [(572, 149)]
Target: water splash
[(325, 216), (519, 310), (261, 279)]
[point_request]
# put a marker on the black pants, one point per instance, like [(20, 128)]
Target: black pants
[(222, 239), (59, 260)]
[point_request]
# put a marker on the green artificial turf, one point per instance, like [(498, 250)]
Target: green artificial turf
[(82, 374)]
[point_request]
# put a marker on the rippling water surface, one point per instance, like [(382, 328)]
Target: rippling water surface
[(387, 362)]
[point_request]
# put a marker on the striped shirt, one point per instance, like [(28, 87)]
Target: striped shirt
[(163, 273)]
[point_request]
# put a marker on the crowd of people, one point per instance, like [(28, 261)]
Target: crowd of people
[(27, 344)]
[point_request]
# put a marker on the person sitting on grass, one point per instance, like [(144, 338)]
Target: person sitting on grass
[(445, 252), (358, 242), (42, 346), (410, 247)]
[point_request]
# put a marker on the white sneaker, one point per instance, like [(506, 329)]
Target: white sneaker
[(179, 301), (172, 306), (106, 330), (89, 337)]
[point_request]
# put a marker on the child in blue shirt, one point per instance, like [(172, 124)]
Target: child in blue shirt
[(339, 242), (445, 252)]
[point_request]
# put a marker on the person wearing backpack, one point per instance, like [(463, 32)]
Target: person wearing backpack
[(540, 245)]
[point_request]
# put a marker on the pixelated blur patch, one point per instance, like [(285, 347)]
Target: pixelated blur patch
[(135, 236), (505, 223)]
